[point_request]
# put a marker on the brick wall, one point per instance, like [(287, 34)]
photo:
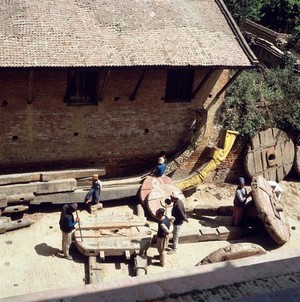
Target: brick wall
[(122, 135)]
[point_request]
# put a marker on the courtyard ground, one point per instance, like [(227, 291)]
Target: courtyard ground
[(28, 256)]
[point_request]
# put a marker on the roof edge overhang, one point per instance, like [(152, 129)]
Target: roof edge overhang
[(111, 67), (241, 40)]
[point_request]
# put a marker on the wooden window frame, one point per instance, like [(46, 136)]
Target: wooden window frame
[(179, 85), (82, 87)]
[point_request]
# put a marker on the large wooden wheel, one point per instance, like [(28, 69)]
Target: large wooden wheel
[(297, 157), (270, 210), (155, 190), (270, 154)]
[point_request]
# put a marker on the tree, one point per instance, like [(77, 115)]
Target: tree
[(261, 99)]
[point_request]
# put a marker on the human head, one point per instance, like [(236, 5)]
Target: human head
[(73, 207), (174, 196), (161, 160), (241, 181), (168, 201), (95, 176), (162, 154), (160, 212)]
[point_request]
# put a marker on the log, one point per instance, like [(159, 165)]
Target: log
[(233, 251), (14, 224)]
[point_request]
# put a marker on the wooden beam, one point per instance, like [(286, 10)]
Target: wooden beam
[(137, 86), (101, 92), (224, 88), (30, 97), (203, 82)]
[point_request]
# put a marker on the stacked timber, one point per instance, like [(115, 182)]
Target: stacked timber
[(18, 191)]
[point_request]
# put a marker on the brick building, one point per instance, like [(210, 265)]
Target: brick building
[(111, 83)]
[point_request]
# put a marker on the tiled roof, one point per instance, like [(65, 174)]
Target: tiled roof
[(65, 33)]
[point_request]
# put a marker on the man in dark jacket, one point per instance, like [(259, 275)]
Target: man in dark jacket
[(239, 202), (67, 225), (163, 233), (178, 212)]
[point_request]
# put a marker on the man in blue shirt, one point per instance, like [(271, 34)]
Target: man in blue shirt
[(160, 169)]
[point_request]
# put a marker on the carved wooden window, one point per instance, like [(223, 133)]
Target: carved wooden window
[(179, 85), (82, 87)]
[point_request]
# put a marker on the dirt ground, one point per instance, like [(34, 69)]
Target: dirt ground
[(29, 264)]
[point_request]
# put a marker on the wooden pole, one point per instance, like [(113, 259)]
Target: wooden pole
[(79, 226)]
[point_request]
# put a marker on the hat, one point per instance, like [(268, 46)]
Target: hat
[(73, 206), (160, 211), (174, 195), (241, 181), (161, 160)]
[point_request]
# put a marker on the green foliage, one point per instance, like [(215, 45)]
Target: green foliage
[(251, 9), (261, 99), (279, 15)]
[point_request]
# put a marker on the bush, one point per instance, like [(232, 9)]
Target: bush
[(261, 99)]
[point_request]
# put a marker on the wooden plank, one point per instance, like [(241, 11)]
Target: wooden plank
[(40, 187), (26, 197), (7, 179), (208, 210), (76, 196), (15, 209), (257, 161), (268, 138), (60, 185), (275, 150), (255, 142), (95, 271), (74, 173), (3, 201)]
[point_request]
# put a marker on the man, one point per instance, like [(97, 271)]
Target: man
[(164, 224), (160, 169), (178, 212), (239, 202), (67, 225), (93, 195), (163, 154)]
